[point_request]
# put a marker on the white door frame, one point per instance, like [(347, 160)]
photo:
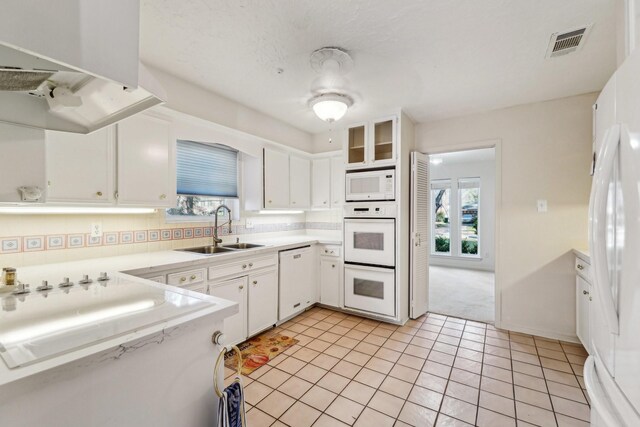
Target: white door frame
[(497, 145)]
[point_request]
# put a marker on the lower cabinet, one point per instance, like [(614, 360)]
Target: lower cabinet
[(330, 275), (235, 327), (583, 303), (263, 301)]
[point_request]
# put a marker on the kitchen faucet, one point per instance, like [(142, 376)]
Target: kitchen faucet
[(216, 239)]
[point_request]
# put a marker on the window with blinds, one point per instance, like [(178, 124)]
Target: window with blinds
[(206, 170)]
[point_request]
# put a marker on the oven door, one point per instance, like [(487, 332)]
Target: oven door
[(370, 289), (370, 241)]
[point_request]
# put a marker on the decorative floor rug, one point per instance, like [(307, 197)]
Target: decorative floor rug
[(258, 350)]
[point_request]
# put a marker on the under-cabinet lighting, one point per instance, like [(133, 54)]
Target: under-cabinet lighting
[(44, 210), (280, 212)]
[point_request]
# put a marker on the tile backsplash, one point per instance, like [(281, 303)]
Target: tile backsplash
[(40, 239)]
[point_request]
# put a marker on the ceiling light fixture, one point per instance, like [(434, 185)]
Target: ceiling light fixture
[(330, 107), (436, 161)]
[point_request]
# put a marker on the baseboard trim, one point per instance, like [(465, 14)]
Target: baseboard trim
[(554, 335)]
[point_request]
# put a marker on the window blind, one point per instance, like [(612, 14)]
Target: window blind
[(440, 184), (469, 183), (206, 169)]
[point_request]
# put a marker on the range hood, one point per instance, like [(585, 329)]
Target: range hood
[(40, 92)]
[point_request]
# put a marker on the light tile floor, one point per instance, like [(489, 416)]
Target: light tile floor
[(437, 370)]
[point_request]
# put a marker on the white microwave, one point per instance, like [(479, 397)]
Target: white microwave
[(370, 185)]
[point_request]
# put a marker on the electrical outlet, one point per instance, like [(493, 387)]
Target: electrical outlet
[(248, 223), (96, 229), (542, 205)]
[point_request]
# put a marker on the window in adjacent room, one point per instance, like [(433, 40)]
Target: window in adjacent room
[(207, 176), (441, 220), (469, 192)]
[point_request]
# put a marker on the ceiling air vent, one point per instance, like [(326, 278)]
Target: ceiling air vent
[(567, 41)]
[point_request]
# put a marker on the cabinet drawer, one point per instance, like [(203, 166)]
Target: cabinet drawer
[(187, 278), (330, 250), (583, 269), (240, 267)]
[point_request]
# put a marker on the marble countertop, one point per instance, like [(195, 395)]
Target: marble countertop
[(121, 267)]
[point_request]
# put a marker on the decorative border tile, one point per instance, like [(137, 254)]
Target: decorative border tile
[(208, 231), (177, 234), (56, 241), (198, 232), (126, 237), (165, 234), (110, 238), (140, 236), (93, 240), (154, 235), (9, 245), (33, 243), (75, 241), (188, 233)]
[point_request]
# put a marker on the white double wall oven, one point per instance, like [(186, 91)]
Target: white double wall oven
[(370, 257)]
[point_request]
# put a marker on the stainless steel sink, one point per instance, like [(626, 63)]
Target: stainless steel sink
[(208, 250), (242, 246)]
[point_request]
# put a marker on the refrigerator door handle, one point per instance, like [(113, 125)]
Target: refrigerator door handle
[(598, 226)]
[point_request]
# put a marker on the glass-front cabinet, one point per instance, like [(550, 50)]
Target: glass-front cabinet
[(371, 144)]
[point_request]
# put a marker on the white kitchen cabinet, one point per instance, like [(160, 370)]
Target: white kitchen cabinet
[(276, 179), (146, 164), (235, 327), (321, 180), (584, 298), (330, 278), (337, 182), (23, 161), (81, 168), (262, 301), (371, 144), (299, 182)]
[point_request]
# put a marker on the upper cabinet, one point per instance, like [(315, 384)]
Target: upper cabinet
[(276, 179), (327, 180), (146, 162), (371, 144), (287, 181), (80, 168), (299, 182), (23, 155)]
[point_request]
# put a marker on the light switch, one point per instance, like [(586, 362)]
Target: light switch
[(248, 223), (542, 206), (96, 229)]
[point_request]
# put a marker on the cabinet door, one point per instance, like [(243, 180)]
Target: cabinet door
[(22, 151), (321, 183), (276, 179), (337, 182), (146, 167), (356, 146), (263, 301), (582, 311), (300, 182), (235, 327), (330, 273), (80, 168), (383, 141)]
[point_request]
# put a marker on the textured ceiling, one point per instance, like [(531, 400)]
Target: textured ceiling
[(433, 58)]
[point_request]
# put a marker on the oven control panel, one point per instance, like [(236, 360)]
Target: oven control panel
[(371, 210)]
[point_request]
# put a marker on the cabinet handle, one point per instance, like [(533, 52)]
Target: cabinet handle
[(193, 277), (325, 202), (333, 266), (293, 203), (590, 299), (270, 201), (241, 287), (250, 264), (99, 193), (163, 196), (580, 267), (255, 282), (183, 279), (585, 293), (244, 266)]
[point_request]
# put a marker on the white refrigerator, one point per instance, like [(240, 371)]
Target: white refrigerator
[(612, 371)]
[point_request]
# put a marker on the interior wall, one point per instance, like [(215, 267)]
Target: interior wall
[(545, 154), (485, 170), (190, 99)]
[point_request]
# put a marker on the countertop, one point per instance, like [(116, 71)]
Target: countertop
[(582, 254), (121, 267)]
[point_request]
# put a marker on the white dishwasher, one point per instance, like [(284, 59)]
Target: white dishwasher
[(298, 288)]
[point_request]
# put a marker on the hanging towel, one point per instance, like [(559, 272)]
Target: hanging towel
[(231, 411)]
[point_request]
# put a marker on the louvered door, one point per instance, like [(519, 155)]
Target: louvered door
[(419, 260)]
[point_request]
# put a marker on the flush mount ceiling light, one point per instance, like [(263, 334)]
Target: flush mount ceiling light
[(330, 107), (436, 161)]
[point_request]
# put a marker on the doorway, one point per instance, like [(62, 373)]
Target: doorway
[(462, 224)]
